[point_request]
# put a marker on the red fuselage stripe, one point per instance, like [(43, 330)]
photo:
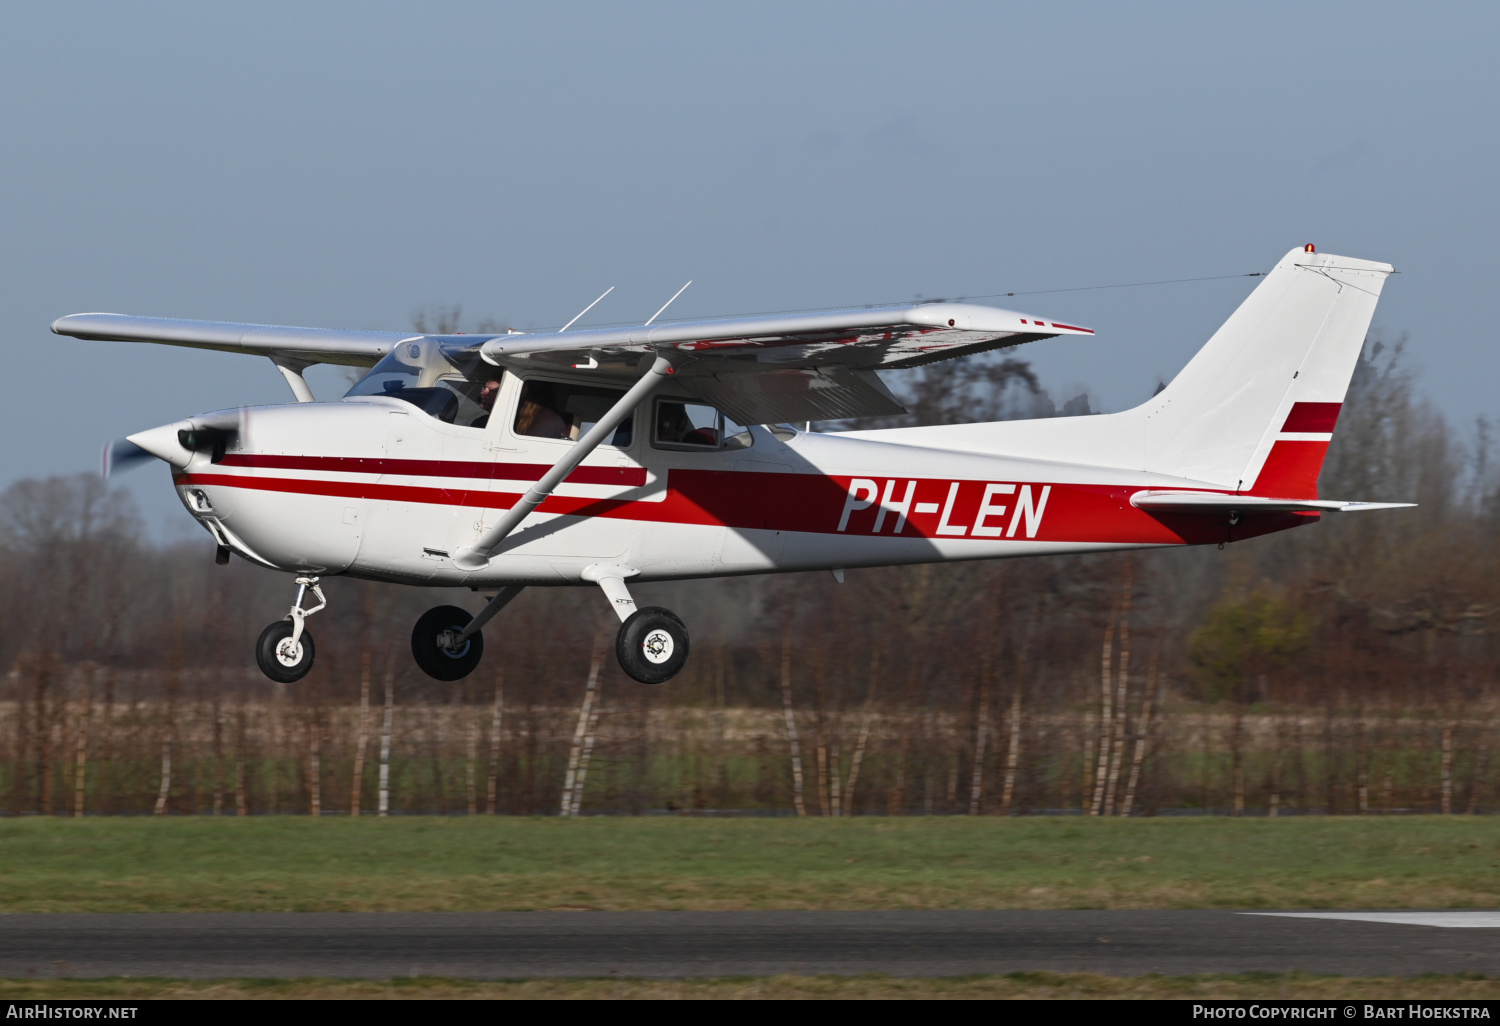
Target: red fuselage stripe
[(1074, 513), (626, 477)]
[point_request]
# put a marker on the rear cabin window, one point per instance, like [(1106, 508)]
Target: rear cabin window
[(696, 427), (549, 409)]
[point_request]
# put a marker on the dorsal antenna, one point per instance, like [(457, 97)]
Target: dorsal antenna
[(669, 302), (585, 310)]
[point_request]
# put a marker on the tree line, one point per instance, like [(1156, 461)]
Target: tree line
[(1344, 667)]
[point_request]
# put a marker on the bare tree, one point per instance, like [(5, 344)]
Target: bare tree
[(791, 720)]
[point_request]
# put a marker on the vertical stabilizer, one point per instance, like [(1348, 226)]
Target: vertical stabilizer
[(1256, 407)]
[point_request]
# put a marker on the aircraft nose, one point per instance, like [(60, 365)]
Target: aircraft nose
[(162, 442)]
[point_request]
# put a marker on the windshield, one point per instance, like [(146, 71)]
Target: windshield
[(445, 381)]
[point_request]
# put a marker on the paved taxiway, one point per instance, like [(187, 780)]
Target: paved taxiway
[(496, 945)]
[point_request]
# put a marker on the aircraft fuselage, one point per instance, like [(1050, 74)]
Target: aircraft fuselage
[(375, 488)]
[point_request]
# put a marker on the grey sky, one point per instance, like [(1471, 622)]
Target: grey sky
[(344, 164)]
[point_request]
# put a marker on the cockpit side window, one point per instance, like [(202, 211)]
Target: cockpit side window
[(551, 409)]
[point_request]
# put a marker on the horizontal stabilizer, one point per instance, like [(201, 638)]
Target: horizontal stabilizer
[(1220, 502)]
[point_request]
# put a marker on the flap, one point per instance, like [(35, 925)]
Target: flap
[(796, 394)]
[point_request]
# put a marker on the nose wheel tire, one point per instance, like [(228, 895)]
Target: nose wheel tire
[(431, 644), (652, 645), (281, 660)]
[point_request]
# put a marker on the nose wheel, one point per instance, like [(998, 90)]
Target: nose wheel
[(285, 649), (440, 647), (282, 657)]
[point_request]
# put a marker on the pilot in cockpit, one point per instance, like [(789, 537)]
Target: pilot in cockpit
[(487, 396)]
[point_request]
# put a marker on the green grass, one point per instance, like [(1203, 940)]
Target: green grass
[(429, 863), (1282, 986)]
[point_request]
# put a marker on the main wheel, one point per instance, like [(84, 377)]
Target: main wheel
[(434, 659), (652, 645), (278, 658)]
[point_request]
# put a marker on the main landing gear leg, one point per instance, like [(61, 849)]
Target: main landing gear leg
[(652, 645), (285, 649)]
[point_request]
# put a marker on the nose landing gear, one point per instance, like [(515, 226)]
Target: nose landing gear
[(285, 649)]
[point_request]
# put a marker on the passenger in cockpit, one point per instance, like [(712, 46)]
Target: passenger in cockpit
[(538, 417)]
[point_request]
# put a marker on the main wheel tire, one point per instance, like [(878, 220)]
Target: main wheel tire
[(278, 659), (652, 645), (435, 660)]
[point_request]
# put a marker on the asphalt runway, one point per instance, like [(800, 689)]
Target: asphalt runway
[(509, 945)]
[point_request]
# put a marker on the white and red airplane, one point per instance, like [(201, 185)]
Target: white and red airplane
[(664, 452)]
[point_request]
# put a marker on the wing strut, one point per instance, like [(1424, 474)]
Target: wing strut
[(292, 369), (477, 556)]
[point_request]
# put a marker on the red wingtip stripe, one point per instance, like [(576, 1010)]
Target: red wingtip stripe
[(1072, 327), (1316, 417)]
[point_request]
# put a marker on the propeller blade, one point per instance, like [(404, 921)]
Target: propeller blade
[(121, 455)]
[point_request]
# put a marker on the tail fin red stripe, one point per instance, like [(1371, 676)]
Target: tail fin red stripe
[(1318, 417), (1291, 470)]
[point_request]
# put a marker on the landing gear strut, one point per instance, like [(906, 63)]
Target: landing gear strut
[(652, 645), (285, 649)]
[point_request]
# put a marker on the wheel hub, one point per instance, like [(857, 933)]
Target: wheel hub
[(657, 646), (289, 653), (447, 643)]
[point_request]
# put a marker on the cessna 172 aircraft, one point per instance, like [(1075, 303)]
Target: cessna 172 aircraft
[(665, 452)]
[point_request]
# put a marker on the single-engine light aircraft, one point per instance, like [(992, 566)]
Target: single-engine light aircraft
[(667, 451)]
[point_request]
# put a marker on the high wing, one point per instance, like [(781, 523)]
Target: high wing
[(301, 345), (818, 366)]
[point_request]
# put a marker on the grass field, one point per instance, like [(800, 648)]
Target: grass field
[(483, 863), (1262, 986)]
